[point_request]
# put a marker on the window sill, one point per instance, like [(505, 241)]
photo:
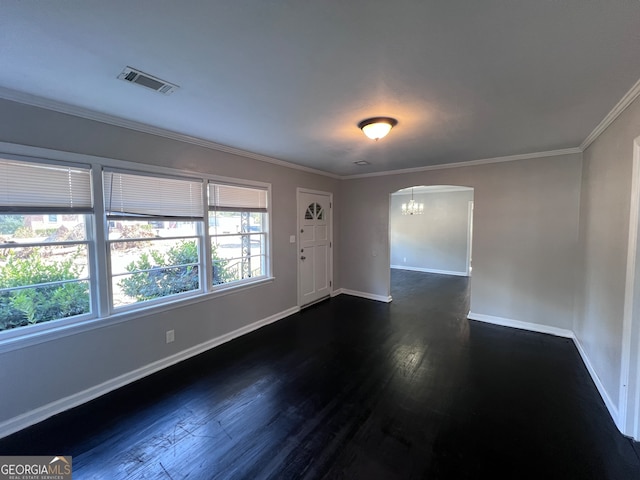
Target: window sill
[(15, 342)]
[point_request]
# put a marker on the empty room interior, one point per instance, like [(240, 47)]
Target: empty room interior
[(321, 239)]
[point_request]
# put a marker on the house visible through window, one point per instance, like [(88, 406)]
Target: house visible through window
[(44, 268), (158, 241)]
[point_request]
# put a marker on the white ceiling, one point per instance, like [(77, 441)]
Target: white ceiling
[(288, 79)]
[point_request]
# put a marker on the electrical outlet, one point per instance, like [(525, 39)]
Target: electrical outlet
[(171, 336), (404, 259)]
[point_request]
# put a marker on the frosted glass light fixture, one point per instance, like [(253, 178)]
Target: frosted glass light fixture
[(378, 127), (413, 207)]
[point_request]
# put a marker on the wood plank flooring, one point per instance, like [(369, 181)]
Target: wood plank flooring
[(355, 389)]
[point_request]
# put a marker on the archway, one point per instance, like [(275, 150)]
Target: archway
[(437, 239)]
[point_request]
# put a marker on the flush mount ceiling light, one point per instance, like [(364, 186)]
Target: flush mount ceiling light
[(377, 127)]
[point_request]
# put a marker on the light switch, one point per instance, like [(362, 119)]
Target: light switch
[(292, 239)]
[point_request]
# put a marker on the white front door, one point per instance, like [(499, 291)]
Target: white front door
[(314, 246)]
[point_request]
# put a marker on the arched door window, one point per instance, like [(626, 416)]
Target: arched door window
[(314, 212)]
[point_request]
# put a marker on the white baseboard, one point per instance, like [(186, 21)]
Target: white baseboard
[(559, 332), (335, 293), (430, 270), (613, 409), (533, 327), (42, 413), (369, 296)]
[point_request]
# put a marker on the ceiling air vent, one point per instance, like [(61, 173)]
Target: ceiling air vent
[(136, 76)]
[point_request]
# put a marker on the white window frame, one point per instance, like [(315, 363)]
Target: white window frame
[(198, 237), (101, 312), (89, 242), (267, 255)]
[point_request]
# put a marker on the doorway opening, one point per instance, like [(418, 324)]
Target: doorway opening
[(437, 240), (629, 404)]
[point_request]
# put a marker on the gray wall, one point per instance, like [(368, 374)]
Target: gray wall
[(525, 235), (550, 246), (437, 239), (604, 230), (43, 373)]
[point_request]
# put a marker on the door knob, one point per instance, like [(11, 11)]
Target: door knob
[(302, 257)]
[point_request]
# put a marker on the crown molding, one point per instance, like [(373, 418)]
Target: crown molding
[(36, 101), (428, 189), (470, 163), (48, 104), (620, 107)]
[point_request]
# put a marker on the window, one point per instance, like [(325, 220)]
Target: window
[(153, 242), (314, 212), (155, 226), (238, 230), (45, 270)]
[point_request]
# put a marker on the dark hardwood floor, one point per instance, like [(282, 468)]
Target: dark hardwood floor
[(355, 389)]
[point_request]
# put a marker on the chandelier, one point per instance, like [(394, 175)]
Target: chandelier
[(413, 207)]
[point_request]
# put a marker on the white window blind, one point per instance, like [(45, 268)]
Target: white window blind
[(26, 186), (131, 194), (236, 198)]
